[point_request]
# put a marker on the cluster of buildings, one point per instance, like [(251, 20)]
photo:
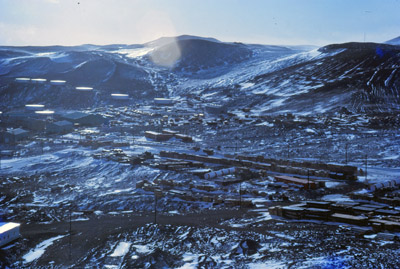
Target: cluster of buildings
[(18, 126), (377, 216), (304, 169)]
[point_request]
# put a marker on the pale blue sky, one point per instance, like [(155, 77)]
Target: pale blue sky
[(290, 22)]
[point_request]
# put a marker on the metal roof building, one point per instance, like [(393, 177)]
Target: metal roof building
[(14, 135), (9, 231), (84, 119), (59, 127)]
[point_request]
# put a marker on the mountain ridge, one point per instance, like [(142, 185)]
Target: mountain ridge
[(394, 41), (271, 79)]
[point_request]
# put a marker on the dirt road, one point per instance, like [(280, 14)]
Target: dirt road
[(89, 235)]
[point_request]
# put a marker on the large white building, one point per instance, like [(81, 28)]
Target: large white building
[(9, 231)]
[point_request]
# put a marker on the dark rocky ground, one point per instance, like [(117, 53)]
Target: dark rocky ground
[(209, 243), (47, 181)]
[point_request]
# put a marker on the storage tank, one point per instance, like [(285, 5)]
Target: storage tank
[(219, 173), (387, 184)]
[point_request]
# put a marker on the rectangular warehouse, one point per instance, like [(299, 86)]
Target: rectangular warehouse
[(9, 231)]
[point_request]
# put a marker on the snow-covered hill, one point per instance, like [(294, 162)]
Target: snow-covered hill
[(358, 76), (361, 77), (394, 41)]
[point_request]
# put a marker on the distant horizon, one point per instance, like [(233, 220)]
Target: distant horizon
[(267, 22), (200, 37)]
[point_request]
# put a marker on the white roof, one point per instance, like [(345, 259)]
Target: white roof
[(6, 226)]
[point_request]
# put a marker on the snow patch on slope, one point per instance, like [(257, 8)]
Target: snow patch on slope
[(39, 250)]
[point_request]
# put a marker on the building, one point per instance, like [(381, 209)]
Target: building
[(84, 119), (6, 153), (16, 116), (13, 136), (304, 183), (173, 133), (9, 231), (184, 138), (215, 109), (60, 127), (157, 136), (33, 124)]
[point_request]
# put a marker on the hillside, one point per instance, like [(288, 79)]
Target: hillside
[(362, 77)]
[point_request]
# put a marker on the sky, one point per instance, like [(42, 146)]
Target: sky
[(278, 22)]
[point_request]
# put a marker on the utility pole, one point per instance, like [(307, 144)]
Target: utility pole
[(236, 143), (70, 220), (70, 231), (288, 150), (155, 207), (366, 167), (240, 194)]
